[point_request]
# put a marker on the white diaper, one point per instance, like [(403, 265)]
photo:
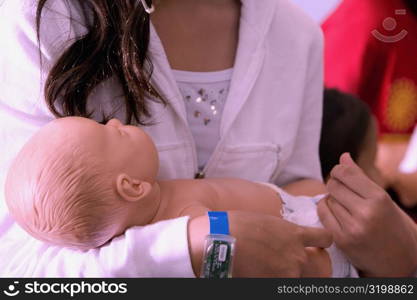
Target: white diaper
[(302, 210)]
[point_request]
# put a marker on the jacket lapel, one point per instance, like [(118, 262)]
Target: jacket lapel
[(163, 77), (256, 17)]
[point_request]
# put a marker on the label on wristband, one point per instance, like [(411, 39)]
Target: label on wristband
[(218, 248)]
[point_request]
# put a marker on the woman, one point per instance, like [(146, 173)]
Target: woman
[(97, 51), (110, 60)]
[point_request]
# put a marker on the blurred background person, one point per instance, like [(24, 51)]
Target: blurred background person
[(348, 126), (370, 52)]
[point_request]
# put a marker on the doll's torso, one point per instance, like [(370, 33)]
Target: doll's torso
[(196, 197)]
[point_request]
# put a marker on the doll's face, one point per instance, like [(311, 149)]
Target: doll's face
[(131, 148), (123, 148)]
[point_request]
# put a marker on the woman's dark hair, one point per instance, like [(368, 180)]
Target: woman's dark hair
[(412, 5), (344, 127), (115, 45)]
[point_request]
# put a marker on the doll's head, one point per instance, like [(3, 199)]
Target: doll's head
[(78, 183), (348, 126)]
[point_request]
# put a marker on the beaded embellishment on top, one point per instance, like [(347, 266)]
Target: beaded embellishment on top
[(207, 104)]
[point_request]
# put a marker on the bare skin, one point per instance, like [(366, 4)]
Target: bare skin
[(200, 35), (178, 197)]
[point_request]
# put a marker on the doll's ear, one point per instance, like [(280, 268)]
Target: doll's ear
[(132, 189)]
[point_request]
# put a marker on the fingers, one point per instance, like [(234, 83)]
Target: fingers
[(344, 196), (349, 174), (316, 237), (346, 159), (326, 216), (342, 215)]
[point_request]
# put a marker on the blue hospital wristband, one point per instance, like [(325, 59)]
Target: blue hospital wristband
[(218, 248), (219, 222)]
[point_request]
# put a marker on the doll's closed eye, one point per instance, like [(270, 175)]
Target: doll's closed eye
[(120, 130)]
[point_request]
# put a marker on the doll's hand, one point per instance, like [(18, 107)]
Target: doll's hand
[(367, 225), (266, 246)]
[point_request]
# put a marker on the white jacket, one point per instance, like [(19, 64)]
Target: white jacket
[(269, 131)]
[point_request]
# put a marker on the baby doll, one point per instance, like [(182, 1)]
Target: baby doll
[(78, 184)]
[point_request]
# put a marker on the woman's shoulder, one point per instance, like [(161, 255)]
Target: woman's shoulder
[(61, 22), (28, 8), (56, 14), (24, 62), (289, 11), (291, 23)]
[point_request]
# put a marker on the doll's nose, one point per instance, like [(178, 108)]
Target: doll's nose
[(114, 123)]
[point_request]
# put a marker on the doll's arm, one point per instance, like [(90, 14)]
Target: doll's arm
[(244, 195)]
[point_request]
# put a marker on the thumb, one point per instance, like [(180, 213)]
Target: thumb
[(346, 159), (316, 237)]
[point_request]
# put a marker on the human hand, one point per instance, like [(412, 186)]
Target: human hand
[(266, 246), (318, 264), (376, 235)]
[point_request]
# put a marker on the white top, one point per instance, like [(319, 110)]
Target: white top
[(269, 132), (204, 95)]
